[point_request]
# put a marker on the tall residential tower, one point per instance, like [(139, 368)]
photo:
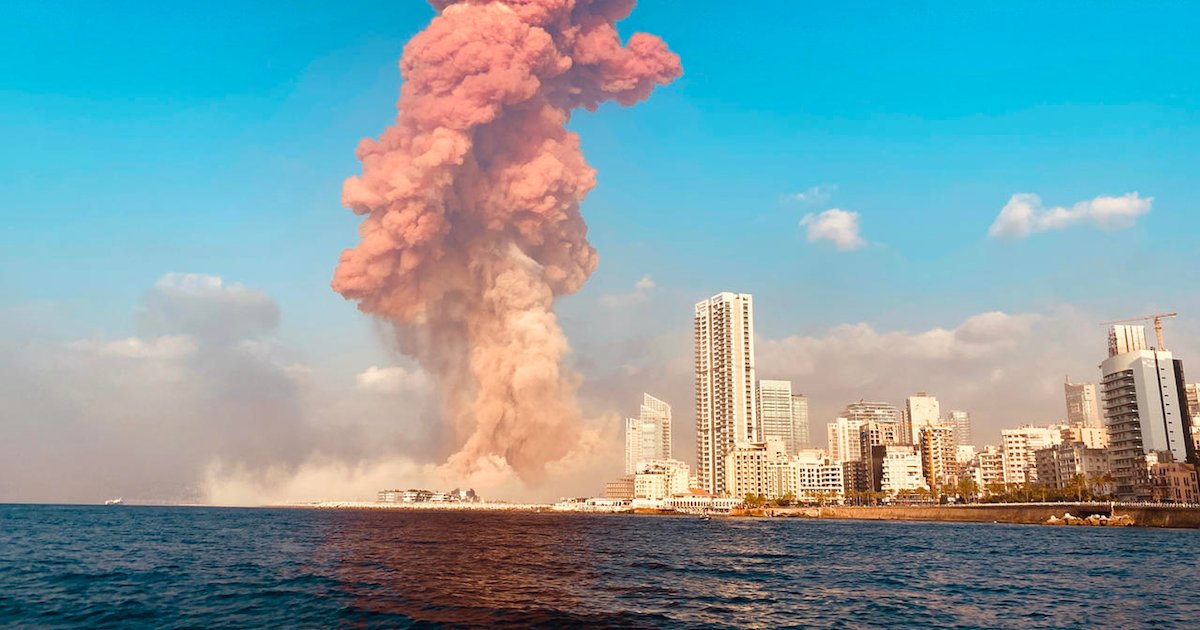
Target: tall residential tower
[(921, 410), (726, 413), (800, 421), (1083, 404), (776, 413), (648, 436), (1145, 411)]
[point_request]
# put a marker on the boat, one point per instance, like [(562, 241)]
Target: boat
[(116, 501)]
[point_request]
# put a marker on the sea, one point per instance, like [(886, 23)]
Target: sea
[(186, 567)]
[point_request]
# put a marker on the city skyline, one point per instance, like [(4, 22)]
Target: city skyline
[(376, 313), (176, 260), (1142, 447)]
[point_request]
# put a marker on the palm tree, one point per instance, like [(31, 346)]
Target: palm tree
[(967, 489)]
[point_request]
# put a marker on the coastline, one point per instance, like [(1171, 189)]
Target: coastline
[(1020, 514), (1159, 516)]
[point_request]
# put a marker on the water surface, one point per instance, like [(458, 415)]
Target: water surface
[(204, 567)]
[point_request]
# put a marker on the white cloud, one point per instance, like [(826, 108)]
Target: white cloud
[(158, 348), (392, 380), (837, 226), (641, 292), (1024, 214), (816, 195), (979, 337), (207, 308)]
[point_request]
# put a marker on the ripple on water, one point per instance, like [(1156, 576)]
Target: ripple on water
[(167, 567)]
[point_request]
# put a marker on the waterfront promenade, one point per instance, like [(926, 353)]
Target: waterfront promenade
[(1143, 514)]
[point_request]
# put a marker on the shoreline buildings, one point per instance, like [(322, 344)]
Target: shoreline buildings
[(1132, 435)]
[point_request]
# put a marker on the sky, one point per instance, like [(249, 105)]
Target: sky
[(933, 197)]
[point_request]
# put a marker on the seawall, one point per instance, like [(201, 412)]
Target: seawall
[(1038, 514)]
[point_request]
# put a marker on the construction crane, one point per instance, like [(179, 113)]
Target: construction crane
[(1157, 317)]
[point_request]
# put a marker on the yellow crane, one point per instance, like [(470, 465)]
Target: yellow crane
[(1157, 317)]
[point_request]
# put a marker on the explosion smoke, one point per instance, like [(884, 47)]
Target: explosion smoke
[(472, 199)]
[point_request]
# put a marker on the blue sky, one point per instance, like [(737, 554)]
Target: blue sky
[(146, 137)]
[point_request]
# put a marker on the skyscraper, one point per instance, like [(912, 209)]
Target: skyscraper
[(648, 436), (1083, 404), (660, 412), (775, 413), (1192, 393), (800, 421), (1144, 410), (961, 421), (843, 437), (921, 410), (865, 411), (726, 412), (938, 453)]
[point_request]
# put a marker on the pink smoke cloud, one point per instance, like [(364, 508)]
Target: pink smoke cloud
[(471, 202)]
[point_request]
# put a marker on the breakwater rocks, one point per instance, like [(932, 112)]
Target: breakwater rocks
[(1095, 520)]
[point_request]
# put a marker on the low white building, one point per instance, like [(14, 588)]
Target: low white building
[(595, 504), (746, 467), (808, 476), (702, 503), (657, 480), (897, 467)]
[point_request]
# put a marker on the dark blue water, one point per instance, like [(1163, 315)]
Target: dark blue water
[(195, 567)]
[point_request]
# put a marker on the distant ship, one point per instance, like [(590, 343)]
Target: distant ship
[(116, 501)]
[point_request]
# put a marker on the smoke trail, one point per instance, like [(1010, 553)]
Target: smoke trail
[(472, 199)]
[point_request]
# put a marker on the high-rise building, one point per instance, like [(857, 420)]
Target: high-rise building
[(660, 412), (920, 410), (776, 413), (648, 436), (1144, 409), (939, 455), (870, 435), (1083, 404), (843, 435), (1192, 393), (726, 413), (961, 421), (1019, 448), (800, 422), (864, 411)]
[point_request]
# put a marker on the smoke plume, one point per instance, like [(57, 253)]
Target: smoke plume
[(471, 204)]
